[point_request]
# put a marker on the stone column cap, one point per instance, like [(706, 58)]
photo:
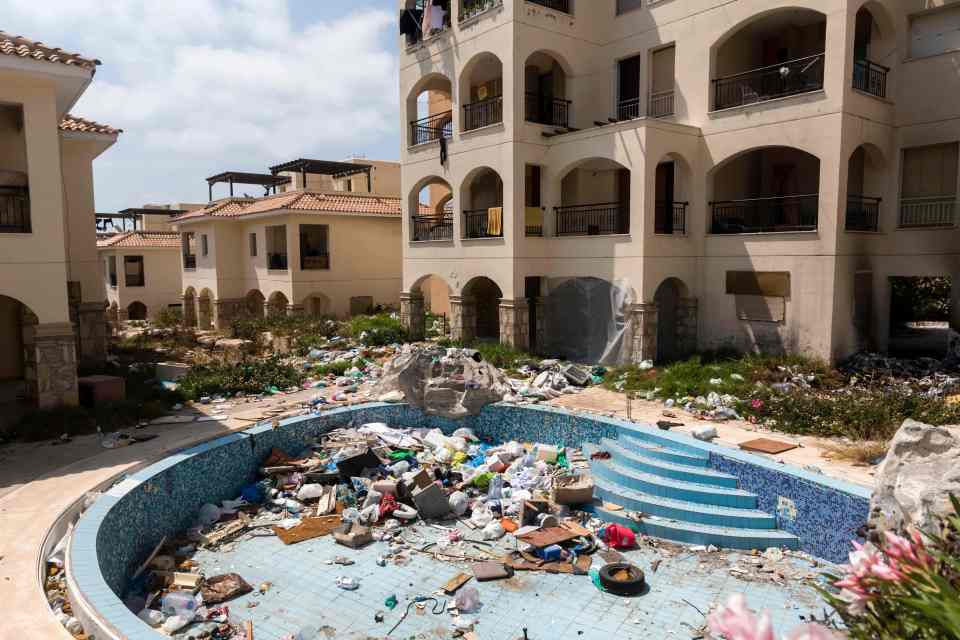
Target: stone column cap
[(515, 303), (53, 330)]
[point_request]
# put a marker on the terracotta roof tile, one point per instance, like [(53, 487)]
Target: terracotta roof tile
[(82, 125), (140, 239), (21, 47), (302, 201)]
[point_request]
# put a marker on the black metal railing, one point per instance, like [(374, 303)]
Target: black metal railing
[(432, 227), (863, 213), (932, 211), (14, 210), (470, 8), (189, 261), (767, 83), (478, 223), (431, 128), (766, 215), (628, 109), (661, 104), (606, 218), (277, 261), (547, 110), (670, 217), (870, 77), (556, 5), (483, 113), (315, 261)]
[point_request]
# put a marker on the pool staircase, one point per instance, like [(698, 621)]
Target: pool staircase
[(680, 497)]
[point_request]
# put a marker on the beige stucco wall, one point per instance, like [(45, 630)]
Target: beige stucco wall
[(162, 279)]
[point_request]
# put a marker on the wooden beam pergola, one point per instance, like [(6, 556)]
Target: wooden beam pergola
[(331, 168), (266, 180)]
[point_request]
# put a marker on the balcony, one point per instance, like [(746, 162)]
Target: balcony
[(14, 210), (483, 223), (483, 113), (661, 104), (426, 228), (628, 109), (319, 261), (670, 218), (934, 211), (189, 262), (609, 218), (431, 128), (780, 214), (277, 261), (793, 77), (870, 77), (556, 5), (548, 110), (473, 8), (863, 213)]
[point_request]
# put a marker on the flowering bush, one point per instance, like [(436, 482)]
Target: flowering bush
[(735, 621)]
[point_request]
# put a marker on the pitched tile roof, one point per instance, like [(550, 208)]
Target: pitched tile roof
[(140, 239), (21, 47), (300, 201), (82, 125)]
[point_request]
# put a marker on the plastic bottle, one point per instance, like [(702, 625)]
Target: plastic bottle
[(495, 490), (179, 603)]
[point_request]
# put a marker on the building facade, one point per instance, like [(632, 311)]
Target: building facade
[(653, 178), (51, 292), (331, 249), (141, 274)]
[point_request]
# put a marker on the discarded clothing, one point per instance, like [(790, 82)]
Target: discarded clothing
[(619, 537)]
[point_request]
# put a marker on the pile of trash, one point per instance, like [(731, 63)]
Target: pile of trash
[(930, 376), (552, 379), (404, 492)]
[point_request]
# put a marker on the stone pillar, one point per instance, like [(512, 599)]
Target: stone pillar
[(413, 314), (642, 332), (226, 311), (687, 332), (123, 314), (189, 311), (463, 319), (52, 358), (515, 324), (93, 332)]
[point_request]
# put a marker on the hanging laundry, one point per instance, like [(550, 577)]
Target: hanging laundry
[(438, 18), (427, 18), (495, 221), (443, 150), (534, 217)]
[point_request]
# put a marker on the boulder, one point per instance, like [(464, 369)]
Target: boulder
[(916, 478)]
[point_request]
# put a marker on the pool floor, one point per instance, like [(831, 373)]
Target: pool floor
[(303, 593)]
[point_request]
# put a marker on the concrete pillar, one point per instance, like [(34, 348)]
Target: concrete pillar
[(463, 319), (92, 321), (515, 324), (52, 365), (413, 314), (687, 326), (189, 311), (642, 331)]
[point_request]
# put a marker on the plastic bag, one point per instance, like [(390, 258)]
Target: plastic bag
[(310, 491), (458, 503), (152, 617), (209, 513), (493, 531), (482, 516), (468, 599)]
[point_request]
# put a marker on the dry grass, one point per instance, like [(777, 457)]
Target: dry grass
[(861, 453)]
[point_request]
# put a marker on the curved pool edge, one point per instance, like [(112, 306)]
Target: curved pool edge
[(154, 485)]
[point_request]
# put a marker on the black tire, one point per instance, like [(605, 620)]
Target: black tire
[(630, 587)]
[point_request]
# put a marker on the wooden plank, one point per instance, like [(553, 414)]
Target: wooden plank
[(454, 583), (767, 445), (549, 536), (309, 529)]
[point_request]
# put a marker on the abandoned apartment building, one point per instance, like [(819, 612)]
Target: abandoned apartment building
[(323, 241), (638, 181)]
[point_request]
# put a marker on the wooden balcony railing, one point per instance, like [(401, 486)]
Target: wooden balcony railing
[(608, 218), (767, 83), (863, 213), (766, 215)]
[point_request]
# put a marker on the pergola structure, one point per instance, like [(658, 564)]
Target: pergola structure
[(134, 215), (265, 180), (330, 168)]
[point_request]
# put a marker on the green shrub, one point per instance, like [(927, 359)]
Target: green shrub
[(252, 376), (169, 317), (377, 331), (337, 368)]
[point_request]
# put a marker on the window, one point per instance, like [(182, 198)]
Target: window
[(929, 186), (760, 295), (204, 246), (277, 247), (663, 65), (112, 270), (253, 245), (188, 245), (935, 32), (628, 5), (133, 271), (314, 250)]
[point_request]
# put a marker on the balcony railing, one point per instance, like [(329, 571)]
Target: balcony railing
[(870, 77), (602, 219), (934, 211), (863, 213), (484, 113), (628, 109), (661, 104), (479, 223), (432, 227), (766, 215), (14, 210), (670, 218), (546, 110), (277, 261), (767, 83), (556, 5), (431, 128), (470, 8), (189, 261), (315, 262)]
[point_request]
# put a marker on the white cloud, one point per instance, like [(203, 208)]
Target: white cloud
[(206, 85)]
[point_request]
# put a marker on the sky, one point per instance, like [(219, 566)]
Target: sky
[(205, 86)]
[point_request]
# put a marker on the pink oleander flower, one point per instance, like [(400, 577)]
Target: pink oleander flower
[(857, 601), (811, 632), (735, 621), (883, 571), (757, 404)]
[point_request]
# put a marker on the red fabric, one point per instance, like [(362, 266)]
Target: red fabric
[(619, 537), (387, 506)]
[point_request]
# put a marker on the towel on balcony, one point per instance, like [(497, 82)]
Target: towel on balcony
[(495, 221), (534, 217)]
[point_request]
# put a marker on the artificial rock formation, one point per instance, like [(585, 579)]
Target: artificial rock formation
[(453, 383), (916, 478)]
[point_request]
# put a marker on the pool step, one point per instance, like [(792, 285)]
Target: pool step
[(661, 452), (652, 435), (640, 461)]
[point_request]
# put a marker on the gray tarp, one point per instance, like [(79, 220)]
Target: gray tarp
[(586, 319)]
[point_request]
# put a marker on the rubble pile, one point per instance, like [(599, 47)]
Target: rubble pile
[(932, 377)]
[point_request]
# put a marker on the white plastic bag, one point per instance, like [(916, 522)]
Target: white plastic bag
[(481, 516), (493, 531), (468, 599), (209, 513), (458, 503)]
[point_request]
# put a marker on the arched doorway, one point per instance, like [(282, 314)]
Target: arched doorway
[(17, 324), (431, 210), (205, 310), (136, 311), (482, 199), (277, 305), (481, 297), (430, 110), (594, 199), (253, 303), (190, 307), (672, 180), (865, 183), (481, 86), (676, 321), (545, 83)]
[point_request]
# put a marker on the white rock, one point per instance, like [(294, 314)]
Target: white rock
[(705, 433)]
